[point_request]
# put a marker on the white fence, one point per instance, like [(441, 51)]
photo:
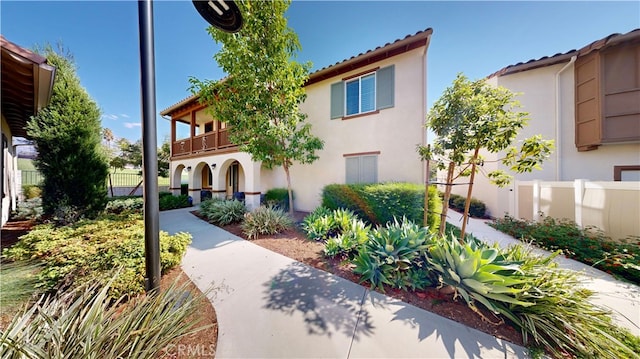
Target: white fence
[(613, 207)]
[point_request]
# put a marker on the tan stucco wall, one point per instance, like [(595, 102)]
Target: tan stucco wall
[(394, 132)]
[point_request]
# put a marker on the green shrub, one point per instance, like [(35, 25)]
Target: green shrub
[(30, 191), (120, 205), (382, 203), (394, 256), (164, 194), (184, 189), (340, 229), (29, 209), (206, 205), (172, 202), (265, 220), (278, 197), (76, 254), (477, 208), (319, 224), (585, 245), (351, 235), (86, 323), (223, 212)]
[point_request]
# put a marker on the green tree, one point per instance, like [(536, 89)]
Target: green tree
[(164, 154), (67, 135), (471, 116), (261, 95), (131, 153)]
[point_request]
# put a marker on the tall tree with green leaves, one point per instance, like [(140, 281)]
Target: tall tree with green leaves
[(472, 116), (261, 95), (67, 134)]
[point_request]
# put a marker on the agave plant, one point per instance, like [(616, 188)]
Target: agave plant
[(319, 228), (393, 256), (354, 235), (477, 272)]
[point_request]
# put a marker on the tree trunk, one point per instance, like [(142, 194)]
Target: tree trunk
[(286, 171), (467, 203), (445, 200), (426, 199)]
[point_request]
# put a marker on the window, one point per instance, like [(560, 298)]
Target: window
[(361, 95), (367, 92), (361, 168), (208, 127)]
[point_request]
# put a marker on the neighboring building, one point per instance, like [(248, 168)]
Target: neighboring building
[(369, 110), (588, 102), (27, 84)]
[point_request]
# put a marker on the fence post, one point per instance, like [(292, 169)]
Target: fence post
[(536, 201), (578, 193)]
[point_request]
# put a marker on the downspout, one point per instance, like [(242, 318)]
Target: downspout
[(559, 117)]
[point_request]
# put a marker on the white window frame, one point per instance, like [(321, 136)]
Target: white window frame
[(359, 79)]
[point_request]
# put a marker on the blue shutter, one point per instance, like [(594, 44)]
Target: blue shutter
[(385, 86), (337, 100)]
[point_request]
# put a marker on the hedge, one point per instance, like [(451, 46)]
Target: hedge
[(380, 203)]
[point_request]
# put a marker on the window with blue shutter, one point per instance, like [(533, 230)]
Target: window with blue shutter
[(367, 93)]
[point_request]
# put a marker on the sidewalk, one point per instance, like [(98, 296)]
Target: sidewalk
[(270, 306), (623, 299)]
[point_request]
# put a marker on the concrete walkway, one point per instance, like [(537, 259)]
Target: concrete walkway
[(270, 306), (623, 299)]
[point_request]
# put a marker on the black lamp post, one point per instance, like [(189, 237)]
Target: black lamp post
[(223, 14)]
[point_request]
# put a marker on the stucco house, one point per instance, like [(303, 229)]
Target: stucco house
[(27, 84), (588, 102), (369, 110)]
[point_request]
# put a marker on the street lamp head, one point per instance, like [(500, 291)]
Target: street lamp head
[(222, 14)]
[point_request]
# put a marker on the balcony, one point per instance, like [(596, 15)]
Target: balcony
[(206, 143)]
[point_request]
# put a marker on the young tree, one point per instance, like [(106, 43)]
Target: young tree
[(67, 135), (473, 115), (164, 154), (261, 95)]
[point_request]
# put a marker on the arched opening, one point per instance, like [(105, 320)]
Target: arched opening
[(176, 180)]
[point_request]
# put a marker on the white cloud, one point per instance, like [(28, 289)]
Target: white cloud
[(124, 115), (110, 116), (132, 124)]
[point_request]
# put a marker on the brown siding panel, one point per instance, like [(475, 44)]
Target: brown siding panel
[(588, 119), (621, 87)]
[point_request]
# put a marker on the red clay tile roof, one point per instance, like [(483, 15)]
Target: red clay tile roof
[(610, 40), (399, 46)]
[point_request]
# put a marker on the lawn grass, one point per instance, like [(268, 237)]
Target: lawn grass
[(26, 164), (17, 287), (120, 177)]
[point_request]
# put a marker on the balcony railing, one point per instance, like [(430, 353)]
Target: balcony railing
[(206, 142)]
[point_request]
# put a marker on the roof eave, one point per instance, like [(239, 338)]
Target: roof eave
[(411, 42)]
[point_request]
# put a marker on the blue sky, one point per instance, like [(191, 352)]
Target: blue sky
[(476, 38)]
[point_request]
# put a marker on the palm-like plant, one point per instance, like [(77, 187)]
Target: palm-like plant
[(86, 323)]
